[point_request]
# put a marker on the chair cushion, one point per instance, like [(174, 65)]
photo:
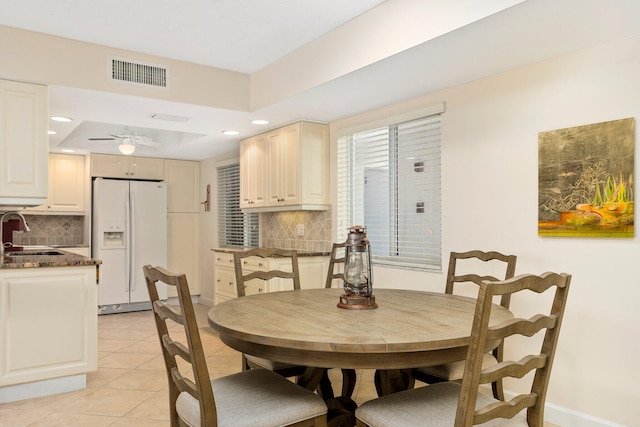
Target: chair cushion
[(453, 371), (259, 362), (254, 397), (433, 406)]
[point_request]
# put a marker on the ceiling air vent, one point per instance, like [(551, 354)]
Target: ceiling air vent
[(138, 73)]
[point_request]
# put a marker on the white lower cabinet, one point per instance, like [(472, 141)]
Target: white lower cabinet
[(48, 324), (313, 271)]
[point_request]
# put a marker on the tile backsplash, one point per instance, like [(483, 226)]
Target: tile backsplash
[(280, 230), (54, 230)]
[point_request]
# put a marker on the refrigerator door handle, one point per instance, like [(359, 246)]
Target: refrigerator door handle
[(128, 240), (132, 241)]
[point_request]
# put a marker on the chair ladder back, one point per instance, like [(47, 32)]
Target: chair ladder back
[(453, 277), (334, 260), (541, 363), (192, 352), (242, 278)]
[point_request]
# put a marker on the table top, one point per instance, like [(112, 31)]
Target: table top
[(408, 329)]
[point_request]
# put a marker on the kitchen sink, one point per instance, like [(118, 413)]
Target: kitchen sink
[(33, 253)]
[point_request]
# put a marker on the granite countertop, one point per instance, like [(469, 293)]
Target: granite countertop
[(301, 253), (31, 258)]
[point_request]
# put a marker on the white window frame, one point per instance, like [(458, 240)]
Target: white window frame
[(404, 233), (235, 228)]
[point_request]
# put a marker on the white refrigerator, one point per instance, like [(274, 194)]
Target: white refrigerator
[(129, 230)]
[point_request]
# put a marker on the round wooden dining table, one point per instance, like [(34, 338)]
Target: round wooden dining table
[(305, 327)]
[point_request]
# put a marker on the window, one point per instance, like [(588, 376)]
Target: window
[(235, 228), (389, 181)]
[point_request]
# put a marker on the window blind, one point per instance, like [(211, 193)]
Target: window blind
[(389, 181), (235, 228)]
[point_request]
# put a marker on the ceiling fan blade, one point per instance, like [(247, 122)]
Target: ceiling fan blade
[(101, 139)]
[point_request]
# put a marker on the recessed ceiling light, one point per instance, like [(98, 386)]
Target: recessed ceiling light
[(52, 132), (61, 119), (68, 150), (230, 132), (260, 122)]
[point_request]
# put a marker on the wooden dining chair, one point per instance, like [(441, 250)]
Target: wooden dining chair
[(463, 405), (249, 398), (242, 277), (457, 274), (335, 259)]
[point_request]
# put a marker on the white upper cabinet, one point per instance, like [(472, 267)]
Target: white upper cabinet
[(114, 166), (24, 144), (284, 166), (67, 182), (253, 172), (183, 182), (297, 168)]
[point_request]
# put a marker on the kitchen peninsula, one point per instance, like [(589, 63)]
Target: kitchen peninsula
[(48, 322)]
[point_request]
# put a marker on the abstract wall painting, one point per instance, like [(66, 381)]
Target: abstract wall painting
[(585, 180)]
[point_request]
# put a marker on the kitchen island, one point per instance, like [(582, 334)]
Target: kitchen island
[(48, 322)]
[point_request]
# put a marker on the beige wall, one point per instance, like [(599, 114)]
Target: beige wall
[(40, 58), (368, 38), (489, 202)]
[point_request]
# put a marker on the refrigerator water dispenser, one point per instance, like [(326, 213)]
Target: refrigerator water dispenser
[(113, 236)]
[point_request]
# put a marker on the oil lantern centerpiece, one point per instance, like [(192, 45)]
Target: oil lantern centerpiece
[(358, 272)]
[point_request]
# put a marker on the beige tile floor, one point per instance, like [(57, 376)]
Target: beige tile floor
[(130, 386)]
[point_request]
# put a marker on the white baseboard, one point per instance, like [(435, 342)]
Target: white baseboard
[(30, 390), (565, 417), (205, 301)]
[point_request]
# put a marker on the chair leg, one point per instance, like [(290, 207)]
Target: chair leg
[(498, 391), (245, 363)]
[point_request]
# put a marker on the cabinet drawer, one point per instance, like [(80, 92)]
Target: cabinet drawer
[(255, 264), (256, 286), (223, 259), (225, 282)]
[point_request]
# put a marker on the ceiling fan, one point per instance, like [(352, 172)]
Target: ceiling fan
[(127, 142)]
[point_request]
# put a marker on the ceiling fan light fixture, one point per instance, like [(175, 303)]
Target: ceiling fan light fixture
[(126, 147)]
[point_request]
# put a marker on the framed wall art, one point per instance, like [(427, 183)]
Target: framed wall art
[(585, 180)]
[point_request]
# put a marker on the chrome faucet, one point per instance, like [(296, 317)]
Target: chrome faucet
[(24, 222)]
